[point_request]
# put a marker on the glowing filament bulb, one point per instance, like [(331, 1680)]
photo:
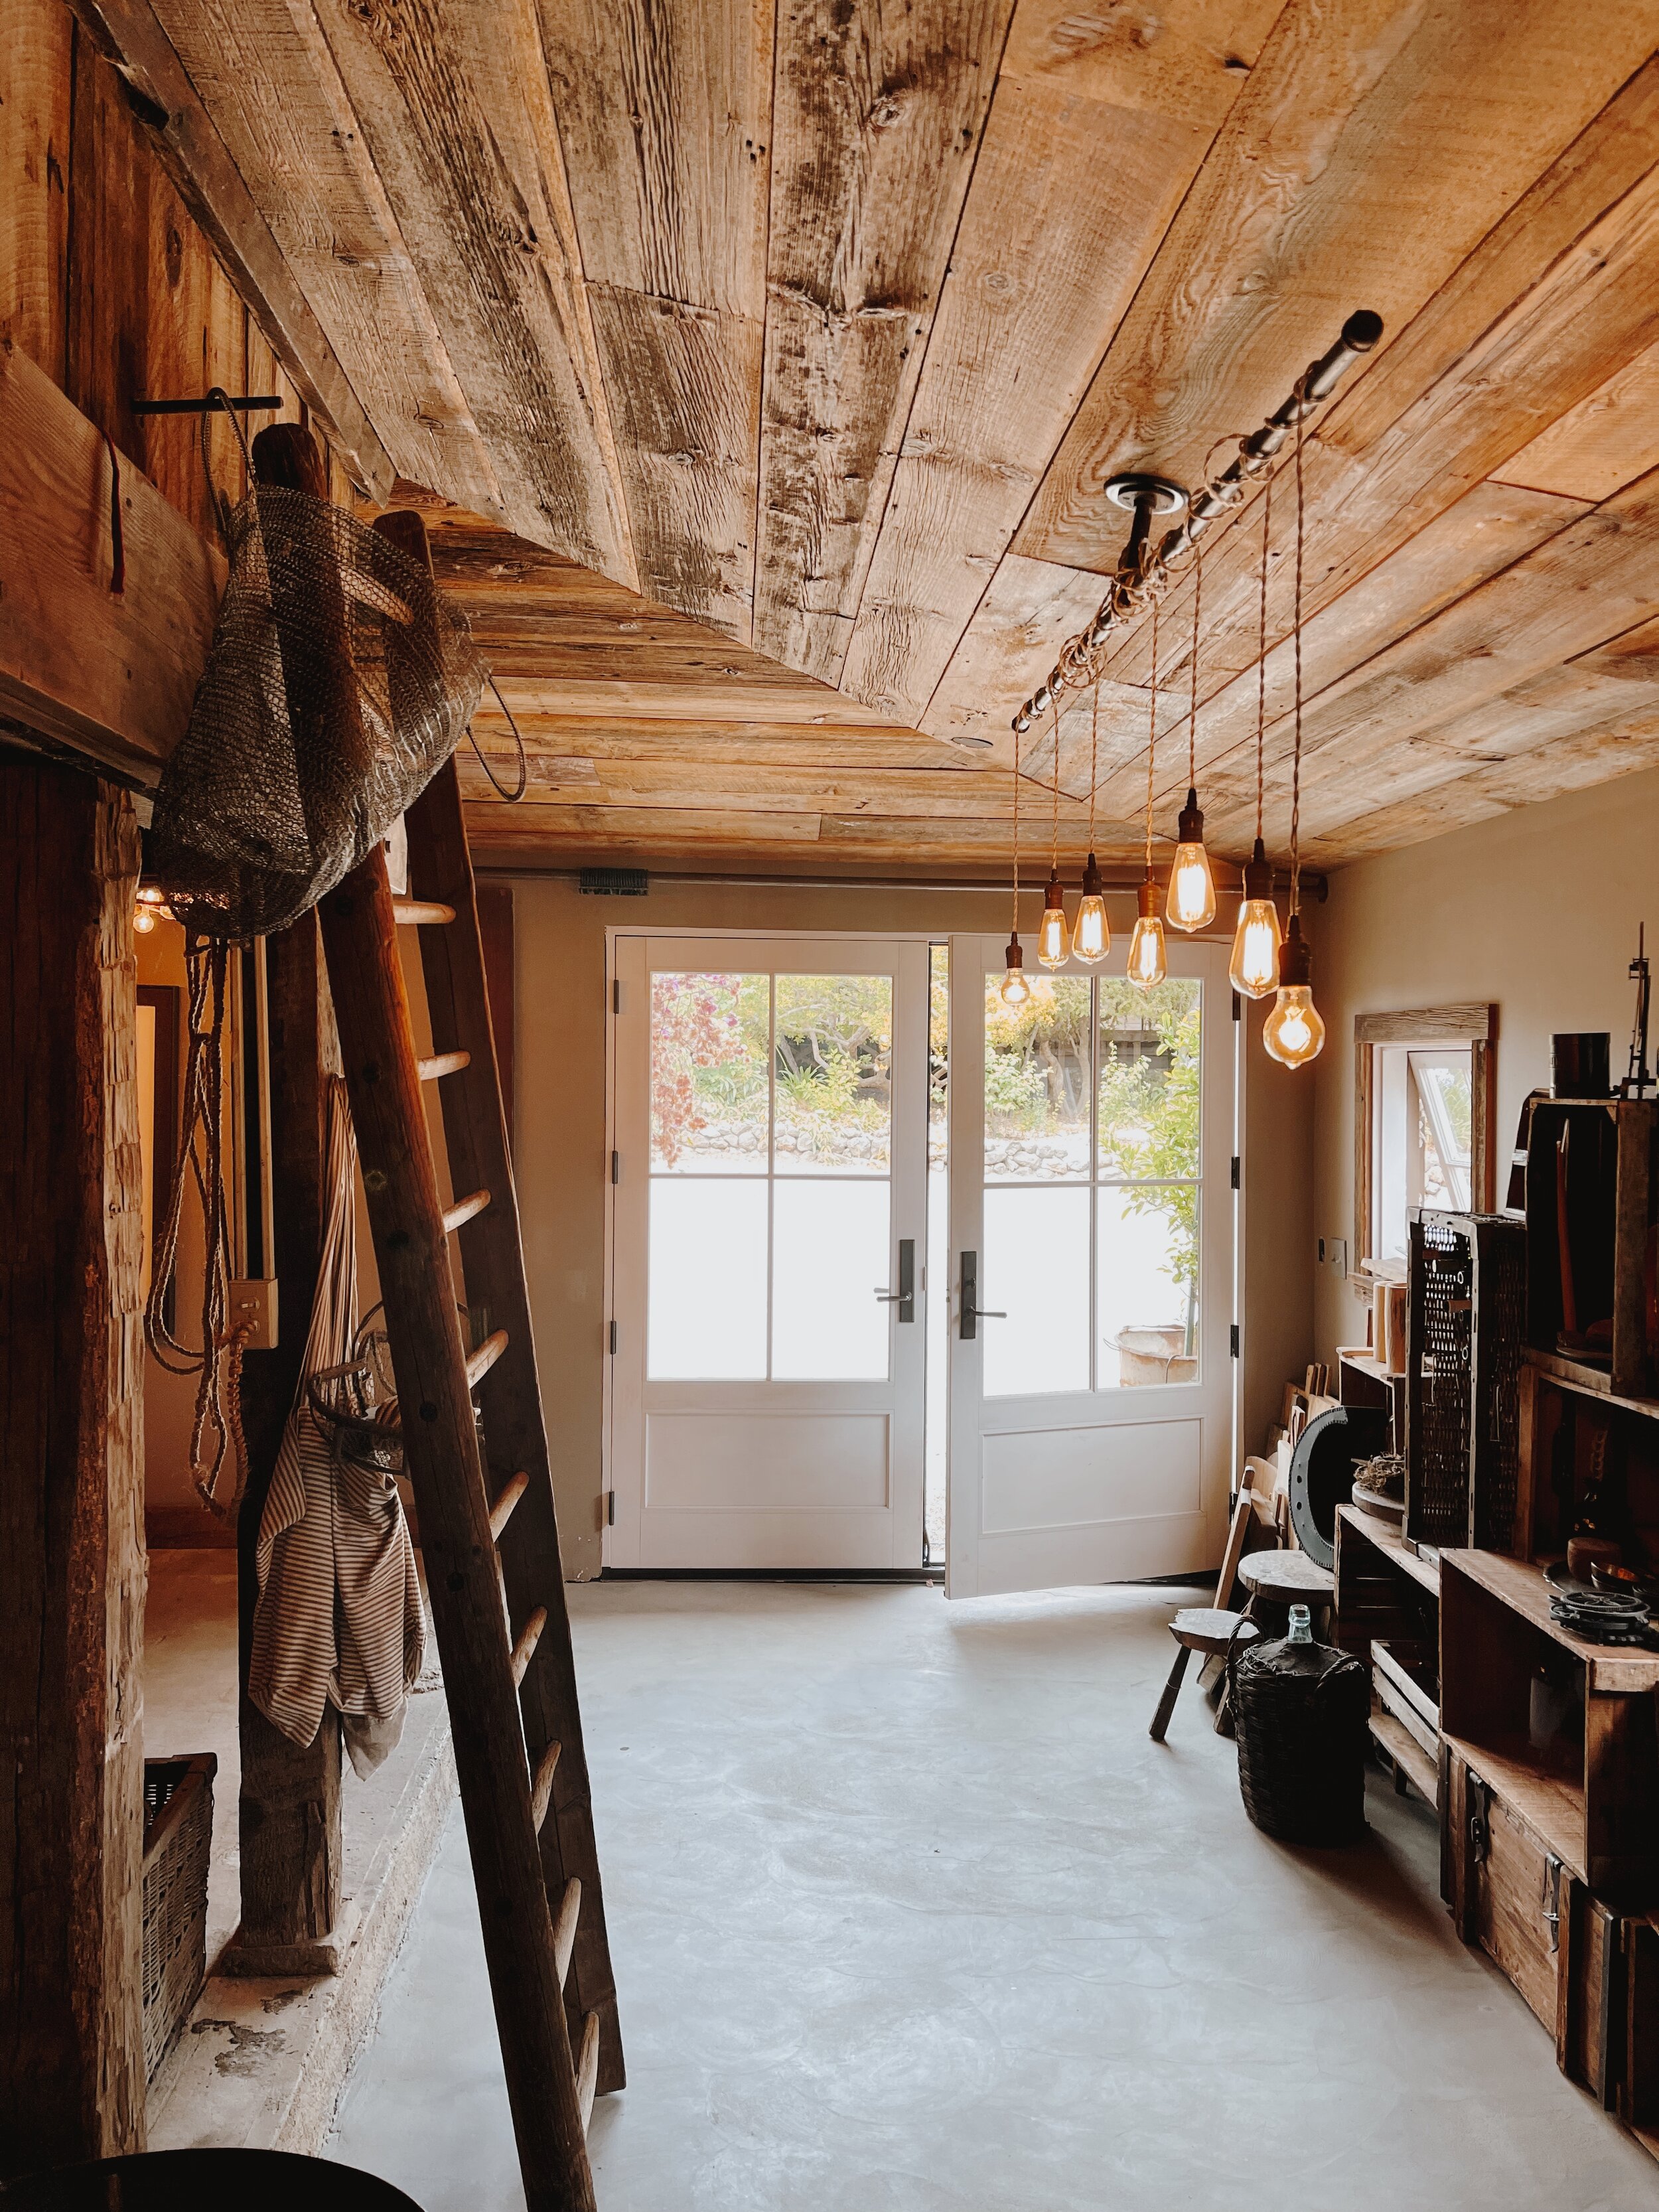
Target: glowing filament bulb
[(1254, 968), (1092, 933), (1293, 1032), (1192, 887), (1148, 962), (1014, 988), (1054, 939)]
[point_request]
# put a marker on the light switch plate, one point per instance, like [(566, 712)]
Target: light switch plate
[(1336, 1256), (253, 1307)]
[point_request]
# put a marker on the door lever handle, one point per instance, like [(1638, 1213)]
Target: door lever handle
[(972, 1312), (905, 1297)]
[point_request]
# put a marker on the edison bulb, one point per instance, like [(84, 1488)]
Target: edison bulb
[(1148, 960), (1192, 887), (1054, 939), (1092, 933), (143, 920), (1254, 969), (1014, 988), (1293, 1032)]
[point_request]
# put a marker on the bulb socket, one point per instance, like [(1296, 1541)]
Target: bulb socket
[(1015, 957), (1189, 830), (1054, 897), (1091, 883), (1259, 874), (1295, 958), (1148, 900)]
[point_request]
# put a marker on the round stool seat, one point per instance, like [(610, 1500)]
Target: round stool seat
[(1209, 1629), (1287, 1579)]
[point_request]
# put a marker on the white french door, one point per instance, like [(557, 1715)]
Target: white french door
[(769, 1228), (1091, 1226)]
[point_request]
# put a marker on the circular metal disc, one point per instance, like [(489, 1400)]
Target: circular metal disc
[(1166, 497)]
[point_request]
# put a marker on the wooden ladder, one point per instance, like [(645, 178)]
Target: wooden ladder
[(489, 1535)]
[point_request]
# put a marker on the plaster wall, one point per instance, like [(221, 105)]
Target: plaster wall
[(1535, 911)]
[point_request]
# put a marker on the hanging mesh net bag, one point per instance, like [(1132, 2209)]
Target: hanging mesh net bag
[(338, 683)]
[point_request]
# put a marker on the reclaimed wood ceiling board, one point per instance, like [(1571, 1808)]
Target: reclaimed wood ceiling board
[(782, 346)]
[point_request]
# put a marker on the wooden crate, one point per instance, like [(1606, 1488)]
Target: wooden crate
[(1576, 1433), (1590, 1788), (1389, 1595), (1612, 1189), (1465, 1327)]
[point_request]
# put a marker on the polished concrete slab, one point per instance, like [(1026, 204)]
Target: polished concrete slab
[(910, 1916)]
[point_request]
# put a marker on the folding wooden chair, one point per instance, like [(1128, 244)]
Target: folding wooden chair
[(1208, 1629)]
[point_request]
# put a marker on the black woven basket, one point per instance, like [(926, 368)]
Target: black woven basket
[(1302, 1714)]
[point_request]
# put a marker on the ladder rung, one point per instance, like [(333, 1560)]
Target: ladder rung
[(501, 1512), (564, 1928), (588, 2068), (525, 1649), (541, 1795), (485, 1357), (419, 910), (442, 1063), (464, 1210)]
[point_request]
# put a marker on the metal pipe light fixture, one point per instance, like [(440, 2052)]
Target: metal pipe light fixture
[(1253, 970), (1192, 886), (1293, 1032), (1014, 988), (1092, 933), (1149, 962), (1054, 938)]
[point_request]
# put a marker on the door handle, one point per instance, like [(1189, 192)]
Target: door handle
[(972, 1312), (905, 1297)]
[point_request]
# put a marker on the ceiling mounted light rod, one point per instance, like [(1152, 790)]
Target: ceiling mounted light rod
[(1140, 576)]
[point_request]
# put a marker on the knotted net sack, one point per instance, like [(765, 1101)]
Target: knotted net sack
[(338, 683)]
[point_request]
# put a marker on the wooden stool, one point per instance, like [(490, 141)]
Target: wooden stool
[(1208, 1629), (1279, 1580)]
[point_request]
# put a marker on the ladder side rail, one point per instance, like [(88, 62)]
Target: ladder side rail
[(492, 1258), (462, 1575)]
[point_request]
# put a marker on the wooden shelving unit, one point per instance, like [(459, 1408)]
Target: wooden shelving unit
[(1604, 1185), (1386, 1593)]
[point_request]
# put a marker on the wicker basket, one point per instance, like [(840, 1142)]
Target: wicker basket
[(177, 1846), (1302, 1714)]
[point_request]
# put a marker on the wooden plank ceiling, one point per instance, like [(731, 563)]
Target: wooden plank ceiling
[(762, 364)]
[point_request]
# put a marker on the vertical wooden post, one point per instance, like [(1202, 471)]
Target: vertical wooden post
[(71, 1473), (289, 1810)]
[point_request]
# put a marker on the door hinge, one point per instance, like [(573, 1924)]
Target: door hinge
[(616, 1167), (1232, 1341), (1232, 1172), (610, 1508), (613, 1339), (616, 994)]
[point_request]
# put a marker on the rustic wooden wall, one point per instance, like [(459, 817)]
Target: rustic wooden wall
[(106, 280), (71, 1473)]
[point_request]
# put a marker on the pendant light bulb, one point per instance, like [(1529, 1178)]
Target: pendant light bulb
[(1254, 969), (1054, 938), (1092, 933), (1014, 988), (1293, 1032), (1148, 960), (1192, 887)]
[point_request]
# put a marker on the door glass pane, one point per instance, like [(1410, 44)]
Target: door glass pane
[(832, 1058), (1037, 1082), (1150, 1041), (706, 1270), (831, 1254), (1035, 1266), (1146, 1288), (709, 1036)]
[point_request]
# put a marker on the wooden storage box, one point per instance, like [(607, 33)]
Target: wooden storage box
[(1387, 1603), (1577, 1438), (1465, 1333), (1563, 1730), (1607, 1190), (1512, 1895), (178, 1847)]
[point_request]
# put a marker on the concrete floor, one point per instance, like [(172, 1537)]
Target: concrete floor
[(910, 1916)]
